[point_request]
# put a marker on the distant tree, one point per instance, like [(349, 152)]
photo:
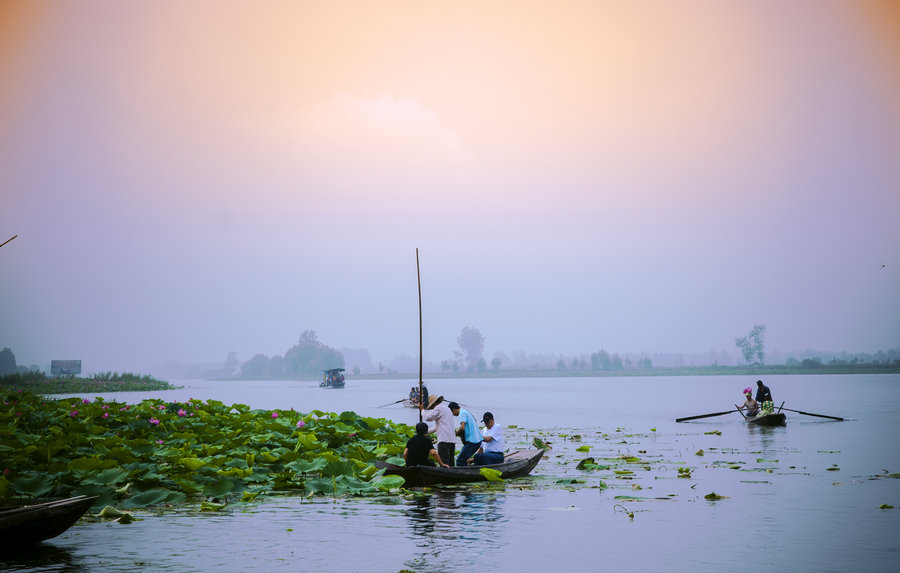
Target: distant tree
[(445, 365), (7, 362), (256, 367), (471, 343), (309, 356), (231, 365), (752, 346), (615, 362), (482, 365), (309, 337), (496, 362), (600, 360), (276, 366), (645, 363), (811, 363), (560, 364)]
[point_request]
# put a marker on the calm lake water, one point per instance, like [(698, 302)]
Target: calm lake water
[(804, 497)]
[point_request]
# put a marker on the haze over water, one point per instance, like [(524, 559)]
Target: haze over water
[(188, 179)]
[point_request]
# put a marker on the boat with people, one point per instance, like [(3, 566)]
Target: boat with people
[(34, 523), (515, 464), (333, 378), (412, 401)]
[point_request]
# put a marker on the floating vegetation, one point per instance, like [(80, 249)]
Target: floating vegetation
[(886, 506), (714, 433), (170, 453), (699, 452), (713, 496)]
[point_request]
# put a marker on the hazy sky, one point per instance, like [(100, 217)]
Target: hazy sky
[(189, 178)]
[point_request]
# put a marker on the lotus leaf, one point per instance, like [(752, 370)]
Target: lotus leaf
[(491, 474), (219, 488), (34, 485), (154, 497)]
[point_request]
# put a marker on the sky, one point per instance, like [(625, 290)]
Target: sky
[(188, 179)]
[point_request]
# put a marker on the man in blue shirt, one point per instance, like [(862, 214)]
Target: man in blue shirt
[(468, 432)]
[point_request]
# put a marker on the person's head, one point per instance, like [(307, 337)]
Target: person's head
[(421, 428), (454, 407), (488, 419), (434, 401), (748, 392)]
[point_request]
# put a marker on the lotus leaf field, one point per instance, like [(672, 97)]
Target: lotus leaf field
[(169, 453)]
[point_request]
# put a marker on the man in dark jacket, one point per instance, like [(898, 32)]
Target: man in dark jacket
[(763, 394)]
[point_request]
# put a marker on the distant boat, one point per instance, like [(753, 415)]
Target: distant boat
[(333, 378), (515, 464), (34, 523), (413, 400)]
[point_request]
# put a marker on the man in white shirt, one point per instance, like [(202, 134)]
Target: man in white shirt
[(491, 450), (440, 414)]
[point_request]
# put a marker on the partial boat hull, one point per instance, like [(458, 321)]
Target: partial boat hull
[(516, 464), (770, 419), (34, 523)]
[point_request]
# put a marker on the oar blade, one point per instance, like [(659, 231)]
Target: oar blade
[(703, 416), (839, 419)]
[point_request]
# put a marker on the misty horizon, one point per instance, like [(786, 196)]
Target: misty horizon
[(186, 180)]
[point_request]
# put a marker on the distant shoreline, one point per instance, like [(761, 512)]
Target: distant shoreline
[(760, 371)]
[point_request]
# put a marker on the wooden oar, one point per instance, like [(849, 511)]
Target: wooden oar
[(703, 416), (740, 412), (816, 415), (391, 404)]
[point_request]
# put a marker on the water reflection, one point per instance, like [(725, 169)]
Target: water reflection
[(450, 524), (40, 557)]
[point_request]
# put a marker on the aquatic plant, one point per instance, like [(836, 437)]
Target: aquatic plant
[(158, 453)]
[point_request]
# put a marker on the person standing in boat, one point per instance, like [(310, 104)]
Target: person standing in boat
[(440, 414), (764, 397), (751, 405), (468, 433), (491, 450), (420, 447)]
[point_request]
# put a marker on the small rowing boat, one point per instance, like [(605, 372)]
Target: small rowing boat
[(34, 523), (515, 464), (767, 419)]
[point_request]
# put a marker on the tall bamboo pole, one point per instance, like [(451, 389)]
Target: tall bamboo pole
[(419, 279)]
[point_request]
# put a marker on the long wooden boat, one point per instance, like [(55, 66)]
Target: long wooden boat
[(515, 464), (34, 523), (770, 419)]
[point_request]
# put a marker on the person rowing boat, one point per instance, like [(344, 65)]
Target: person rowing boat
[(751, 405)]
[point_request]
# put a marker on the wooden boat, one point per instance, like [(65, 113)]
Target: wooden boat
[(333, 378), (34, 523), (767, 419), (515, 464)]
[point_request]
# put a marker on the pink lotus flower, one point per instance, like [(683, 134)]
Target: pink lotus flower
[(182, 413), (73, 413), (85, 401), (301, 423), (105, 415), (160, 407), (159, 441), (104, 407), (274, 414), (154, 421)]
